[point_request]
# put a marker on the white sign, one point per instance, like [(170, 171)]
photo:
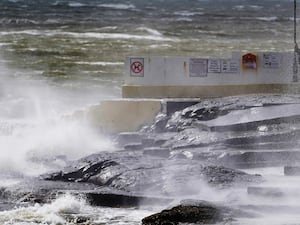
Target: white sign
[(271, 60), (230, 66), (214, 66), (136, 67), (198, 67)]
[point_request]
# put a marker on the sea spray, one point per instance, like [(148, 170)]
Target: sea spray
[(70, 209), (53, 213), (35, 135)]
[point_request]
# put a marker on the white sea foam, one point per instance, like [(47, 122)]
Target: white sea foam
[(118, 6), (92, 35), (76, 4), (52, 213), (268, 19), (244, 7), (256, 7), (101, 63), (120, 36), (109, 28), (186, 19), (239, 7), (150, 31), (188, 13), (160, 46)]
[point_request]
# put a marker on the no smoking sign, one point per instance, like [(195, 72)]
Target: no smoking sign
[(137, 67)]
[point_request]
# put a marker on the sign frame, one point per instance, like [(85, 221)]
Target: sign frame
[(198, 67), (137, 67), (271, 60)]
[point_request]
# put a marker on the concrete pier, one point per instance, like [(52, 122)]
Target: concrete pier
[(154, 84)]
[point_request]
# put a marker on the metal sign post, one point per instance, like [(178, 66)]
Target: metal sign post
[(296, 49)]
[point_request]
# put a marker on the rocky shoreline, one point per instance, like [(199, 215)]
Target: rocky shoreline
[(189, 154)]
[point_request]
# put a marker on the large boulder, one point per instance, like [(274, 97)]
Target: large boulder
[(197, 212)]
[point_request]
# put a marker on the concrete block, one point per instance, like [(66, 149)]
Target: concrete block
[(128, 137), (123, 115), (133, 146), (205, 91)]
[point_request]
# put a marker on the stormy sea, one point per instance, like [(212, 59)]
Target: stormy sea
[(232, 160)]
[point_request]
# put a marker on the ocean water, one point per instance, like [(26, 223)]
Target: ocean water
[(59, 56)]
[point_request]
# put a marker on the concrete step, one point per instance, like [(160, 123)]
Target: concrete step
[(273, 191), (265, 208), (253, 159), (125, 138)]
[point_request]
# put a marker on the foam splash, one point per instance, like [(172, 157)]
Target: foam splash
[(53, 213), (152, 37), (35, 137), (118, 6), (67, 208)]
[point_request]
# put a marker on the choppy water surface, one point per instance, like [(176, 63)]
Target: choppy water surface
[(57, 56)]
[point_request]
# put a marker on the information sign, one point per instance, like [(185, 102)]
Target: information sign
[(214, 66), (198, 67), (271, 60), (230, 66), (136, 67)]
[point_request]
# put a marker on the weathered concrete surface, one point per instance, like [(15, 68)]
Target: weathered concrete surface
[(123, 115), (206, 91)]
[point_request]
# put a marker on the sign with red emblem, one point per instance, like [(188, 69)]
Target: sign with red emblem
[(136, 67)]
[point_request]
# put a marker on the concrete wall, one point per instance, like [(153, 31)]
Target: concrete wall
[(160, 76), (115, 116)]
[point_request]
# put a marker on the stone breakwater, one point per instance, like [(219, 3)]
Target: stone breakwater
[(195, 153)]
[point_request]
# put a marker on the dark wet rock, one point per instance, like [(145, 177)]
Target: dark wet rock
[(137, 173), (183, 153), (76, 219), (83, 174), (111, 199), (173, 106), (212, 109), (133, 146), (222, 175), (160, 123), (204, 114), (292, 170), (199, 212)]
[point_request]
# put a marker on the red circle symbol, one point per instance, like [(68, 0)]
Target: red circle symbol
[(137, 67)]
